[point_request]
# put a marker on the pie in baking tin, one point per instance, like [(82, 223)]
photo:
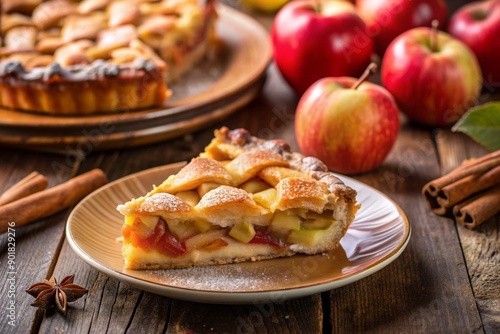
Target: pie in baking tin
[(69, 57)]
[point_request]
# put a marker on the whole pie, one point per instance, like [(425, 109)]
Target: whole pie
[(96, 56), (242, 199)]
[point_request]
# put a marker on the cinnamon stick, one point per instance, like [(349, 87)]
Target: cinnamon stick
[(479, 208), (485, 157), (47, 202), (31, 184), (469, 185), (439, 191)]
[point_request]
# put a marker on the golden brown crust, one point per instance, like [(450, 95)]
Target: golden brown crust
[(304, 193), (248, 164), (225, 196), (273, 175), (163, 202), (198, 171), (227, 206), (230, 143), (60, 92)]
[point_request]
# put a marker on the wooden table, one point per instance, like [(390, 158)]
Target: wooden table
[(446, 281)]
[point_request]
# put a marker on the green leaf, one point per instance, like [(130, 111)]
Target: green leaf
[(482, 123)]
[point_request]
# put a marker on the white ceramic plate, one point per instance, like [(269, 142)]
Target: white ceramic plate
[(377, 237)]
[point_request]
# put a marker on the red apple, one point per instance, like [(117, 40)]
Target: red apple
[(434, 77), (313, 41), (478, 25), (349, 124), (386, 19)]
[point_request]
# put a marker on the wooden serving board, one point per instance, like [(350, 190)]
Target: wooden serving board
[(110, 136)]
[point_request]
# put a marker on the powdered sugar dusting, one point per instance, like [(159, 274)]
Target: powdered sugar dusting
[(272, 275), (225, 194), (203, 170), (164, 202), (250, 163), (311, 189), (224, 278)]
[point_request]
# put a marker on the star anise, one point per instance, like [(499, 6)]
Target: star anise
[(49, 293)]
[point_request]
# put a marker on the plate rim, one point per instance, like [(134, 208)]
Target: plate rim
[(235, 297)]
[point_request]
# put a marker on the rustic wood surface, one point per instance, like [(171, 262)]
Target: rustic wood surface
[(446, 281)]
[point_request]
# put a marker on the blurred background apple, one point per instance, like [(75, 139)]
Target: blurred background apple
[(433, 76), (314, 39), (386, 19), (478, 25)]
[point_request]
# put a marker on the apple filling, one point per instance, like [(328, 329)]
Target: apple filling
[(176, 238)]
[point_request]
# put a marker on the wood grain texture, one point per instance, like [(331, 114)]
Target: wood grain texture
[(110, 306), (481, 246), (114, 307), (295, 316), (446, 281), (427, 287), (36, 245)]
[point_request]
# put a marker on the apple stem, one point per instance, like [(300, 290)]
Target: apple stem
[(318, 6), (434, 34), (372, 68)]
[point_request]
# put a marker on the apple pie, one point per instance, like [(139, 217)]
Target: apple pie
[(242, 199), (97, 56)]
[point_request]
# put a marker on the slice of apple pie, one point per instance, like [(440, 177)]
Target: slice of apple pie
[(243, 199)]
